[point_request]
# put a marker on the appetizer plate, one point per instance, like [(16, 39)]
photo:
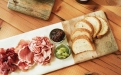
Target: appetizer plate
[(104, 46), (38, 69)]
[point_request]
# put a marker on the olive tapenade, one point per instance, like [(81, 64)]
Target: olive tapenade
[(62, 51), (57, 35)]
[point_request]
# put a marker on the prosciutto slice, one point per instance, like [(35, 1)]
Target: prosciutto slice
[(42, 48), (8, 59), (25, 55)]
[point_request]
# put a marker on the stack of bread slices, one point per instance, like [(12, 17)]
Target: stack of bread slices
[(87, 30)]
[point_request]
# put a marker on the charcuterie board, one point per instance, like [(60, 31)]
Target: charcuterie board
[(104, 46)]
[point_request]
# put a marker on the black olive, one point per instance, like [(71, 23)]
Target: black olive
[(57, 35)]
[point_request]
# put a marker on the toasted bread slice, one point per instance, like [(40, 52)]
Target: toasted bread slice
[(96, 25), (84, 24), (82, 44), (104, 28), (81, 31)]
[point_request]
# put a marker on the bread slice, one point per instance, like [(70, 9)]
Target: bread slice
[(104, 28), (81, 31), (84, 24), (82, 44), (96, 25)]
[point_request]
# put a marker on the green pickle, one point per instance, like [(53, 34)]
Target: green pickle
[(62, 51)]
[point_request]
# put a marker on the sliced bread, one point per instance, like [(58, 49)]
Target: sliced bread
[(82, 44), (84, 24), (104, 28), (96, 25), (81, 31)]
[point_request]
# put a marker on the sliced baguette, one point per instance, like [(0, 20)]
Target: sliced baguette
[(82, 44), (84, 24), (104, 28), (96, 25), (81, 31)]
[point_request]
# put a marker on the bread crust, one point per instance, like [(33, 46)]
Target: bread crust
[(81, 30), (83, 37), (88, 23), (96, 31), (104, 25)]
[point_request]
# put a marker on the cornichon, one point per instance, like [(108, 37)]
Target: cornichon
[(62, 51)]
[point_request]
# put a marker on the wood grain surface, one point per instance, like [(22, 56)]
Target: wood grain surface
[(36, 8), (14, 23)]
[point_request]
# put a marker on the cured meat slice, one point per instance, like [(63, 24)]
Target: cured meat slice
[(21, 44), (8, 59), (43, 58), (25, 55), (42, 48), (25, 58)]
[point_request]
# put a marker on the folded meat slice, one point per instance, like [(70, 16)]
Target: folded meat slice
[(25, 55), (44, 57), (39, 43), (21, 44), (8, 59), (42, 48)]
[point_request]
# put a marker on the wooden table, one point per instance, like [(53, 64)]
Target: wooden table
[(13, 23)]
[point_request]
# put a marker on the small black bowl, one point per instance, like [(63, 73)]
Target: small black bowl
[(57, 35)]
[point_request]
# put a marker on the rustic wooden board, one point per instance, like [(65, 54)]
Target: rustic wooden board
[(37, 8), (104, 45)]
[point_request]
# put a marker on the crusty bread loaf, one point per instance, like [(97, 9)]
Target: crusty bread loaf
[(96, 25), (84, 24), (81, 31), (104, 28), (82, 44)]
